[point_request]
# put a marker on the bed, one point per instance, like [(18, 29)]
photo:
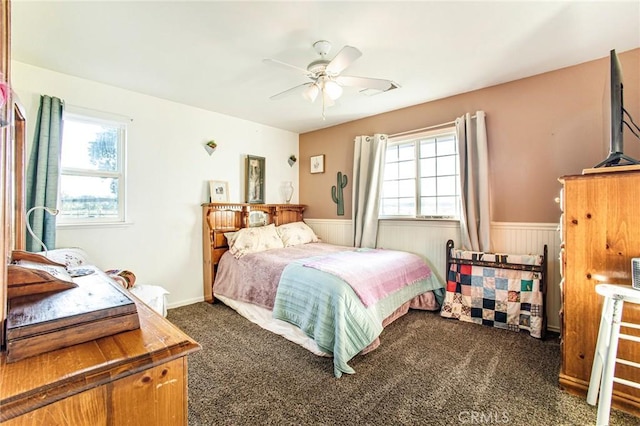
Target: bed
[(332, 300)]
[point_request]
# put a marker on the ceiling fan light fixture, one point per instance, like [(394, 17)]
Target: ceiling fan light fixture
[(312, 92), (333, 89)]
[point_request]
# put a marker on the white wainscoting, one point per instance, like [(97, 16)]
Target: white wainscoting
[(429, 238)]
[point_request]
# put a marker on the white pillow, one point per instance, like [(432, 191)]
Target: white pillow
[(253, 240), (70, 257), (296, 233)]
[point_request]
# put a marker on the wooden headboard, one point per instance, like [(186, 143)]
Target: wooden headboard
[(218, 218)]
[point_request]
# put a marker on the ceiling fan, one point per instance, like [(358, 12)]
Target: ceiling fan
[(326, 79)]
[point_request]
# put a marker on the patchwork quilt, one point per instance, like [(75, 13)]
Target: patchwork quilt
[(493, 295)]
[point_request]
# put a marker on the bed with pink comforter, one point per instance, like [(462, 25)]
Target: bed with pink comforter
[(354, 292)]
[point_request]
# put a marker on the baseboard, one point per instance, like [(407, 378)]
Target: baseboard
[(185, 302)]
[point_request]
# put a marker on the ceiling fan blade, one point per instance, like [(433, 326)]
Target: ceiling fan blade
[(342, 60), (366, 83), (297, 89), (286, 65)]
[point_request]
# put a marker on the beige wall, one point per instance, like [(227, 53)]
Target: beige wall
[(539, 128)]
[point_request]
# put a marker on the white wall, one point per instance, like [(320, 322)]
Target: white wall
[(167, 174)]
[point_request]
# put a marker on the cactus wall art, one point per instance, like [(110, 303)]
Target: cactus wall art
[(336, 193)]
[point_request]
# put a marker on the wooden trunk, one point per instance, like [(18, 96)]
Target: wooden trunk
[(600, 233), (43, 322)]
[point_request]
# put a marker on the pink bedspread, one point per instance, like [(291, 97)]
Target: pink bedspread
[(393, 270), (254, 277)]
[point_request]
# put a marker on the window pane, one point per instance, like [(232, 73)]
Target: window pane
[(407, 206), (446, 145), (391, 171), (91, 197), (427, 148), (89, 146), (428, 206), (392, 153), (406, 152), (447, 185), (390, 189), (447, 165), (428, 167), (407, 188), (389, 207), (428, 186), (448, 206), (407, 169)]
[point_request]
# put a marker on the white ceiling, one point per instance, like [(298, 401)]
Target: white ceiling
[(209, 54)]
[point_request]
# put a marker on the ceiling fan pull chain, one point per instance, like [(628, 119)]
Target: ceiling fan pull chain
[(323, 116)]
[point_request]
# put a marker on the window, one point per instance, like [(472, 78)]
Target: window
[(421, 177), (92, 179)]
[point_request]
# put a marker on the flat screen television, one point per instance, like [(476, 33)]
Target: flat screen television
[(616, 145)]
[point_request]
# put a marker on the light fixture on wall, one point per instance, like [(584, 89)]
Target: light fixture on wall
[(210, 146), (53, 212)]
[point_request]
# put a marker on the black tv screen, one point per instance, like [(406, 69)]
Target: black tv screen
[(616, 144)]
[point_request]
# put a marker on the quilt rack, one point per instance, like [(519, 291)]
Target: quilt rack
[(501, 290)]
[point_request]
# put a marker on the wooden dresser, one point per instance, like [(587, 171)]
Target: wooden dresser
[(135, 377), (600, 234), (219, 218)]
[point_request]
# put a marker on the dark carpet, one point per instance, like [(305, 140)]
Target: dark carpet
[(427, 371)]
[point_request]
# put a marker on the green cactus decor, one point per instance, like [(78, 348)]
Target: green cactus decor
[(336, 192)]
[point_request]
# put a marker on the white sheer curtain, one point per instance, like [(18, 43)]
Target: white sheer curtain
[(368, 175), (475, 219)]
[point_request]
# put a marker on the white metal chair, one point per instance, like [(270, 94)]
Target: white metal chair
[(602, 372)]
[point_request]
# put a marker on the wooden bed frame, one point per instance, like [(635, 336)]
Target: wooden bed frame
[(218, 218)]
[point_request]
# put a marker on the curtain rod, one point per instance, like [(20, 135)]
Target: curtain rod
[(435, 126), (96, 113)]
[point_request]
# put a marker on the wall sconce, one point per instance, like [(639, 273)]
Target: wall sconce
[(292, 160), (53, 212), (210, 146)]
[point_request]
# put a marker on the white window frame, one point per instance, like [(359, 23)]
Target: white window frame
[(102, 118), (415, 139)]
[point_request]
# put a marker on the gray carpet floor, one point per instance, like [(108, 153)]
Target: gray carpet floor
[(427, 371)]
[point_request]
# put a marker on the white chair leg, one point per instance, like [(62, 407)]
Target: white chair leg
[(606, 386), (602, 347)]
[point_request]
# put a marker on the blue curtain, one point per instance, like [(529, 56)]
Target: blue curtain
[(43, 171)]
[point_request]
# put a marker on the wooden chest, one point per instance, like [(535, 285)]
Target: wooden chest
[(44, 322)]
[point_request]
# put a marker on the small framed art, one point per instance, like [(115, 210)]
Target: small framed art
[(317, 164), (219, 191), (254, 179)]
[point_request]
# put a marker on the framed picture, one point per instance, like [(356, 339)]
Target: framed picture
[(219, 191), (254, 179), (317, 164)]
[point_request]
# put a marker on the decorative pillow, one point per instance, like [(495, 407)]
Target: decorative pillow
[(126, 279), (70, 257), (296, 233), (58, 272), (231, 237), (253, 240)]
